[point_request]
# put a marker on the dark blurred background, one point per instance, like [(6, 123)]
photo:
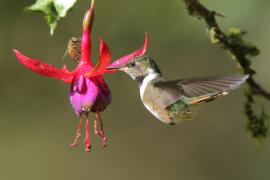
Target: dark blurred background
[(37, 122)]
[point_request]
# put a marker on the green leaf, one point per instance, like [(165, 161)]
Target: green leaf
[(54, 10)]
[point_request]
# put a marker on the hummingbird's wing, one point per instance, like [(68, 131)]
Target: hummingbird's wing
[(203, 89), (165, 96)]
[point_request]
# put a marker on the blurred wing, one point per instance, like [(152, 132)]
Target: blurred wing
[(166, 96), (163, 95), (198, 87), (203, 89), (44, 69)]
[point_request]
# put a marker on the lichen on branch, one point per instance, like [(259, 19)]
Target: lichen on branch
[(242, 52)]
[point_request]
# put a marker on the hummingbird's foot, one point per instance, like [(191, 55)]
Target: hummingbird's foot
[(87, 135), (78, 134), (99, 130)]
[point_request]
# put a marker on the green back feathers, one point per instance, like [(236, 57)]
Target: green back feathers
[(147, 61), (177, 106), (180, 111)]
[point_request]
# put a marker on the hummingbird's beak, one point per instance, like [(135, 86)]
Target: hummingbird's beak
[(113, 68)]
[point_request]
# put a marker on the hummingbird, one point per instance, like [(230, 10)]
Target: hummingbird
[(171, 101)]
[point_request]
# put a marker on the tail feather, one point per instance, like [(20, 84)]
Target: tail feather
[(206, 98)]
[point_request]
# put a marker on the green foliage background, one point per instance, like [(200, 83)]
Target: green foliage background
[(37, 123)]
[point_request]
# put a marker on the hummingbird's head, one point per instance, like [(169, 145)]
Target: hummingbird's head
[(139, 67)]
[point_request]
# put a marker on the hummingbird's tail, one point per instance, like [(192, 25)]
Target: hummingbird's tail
[(208, 89), (206, 98)]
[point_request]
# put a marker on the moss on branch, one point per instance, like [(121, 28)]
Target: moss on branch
[(242, 52)]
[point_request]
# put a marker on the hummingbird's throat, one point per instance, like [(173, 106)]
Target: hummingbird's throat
[(139, 79)]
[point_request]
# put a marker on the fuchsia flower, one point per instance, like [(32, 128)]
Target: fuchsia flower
[(89, 91)]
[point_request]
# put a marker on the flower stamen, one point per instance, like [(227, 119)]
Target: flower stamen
[(87, 135), (78, 134), (100, 130)]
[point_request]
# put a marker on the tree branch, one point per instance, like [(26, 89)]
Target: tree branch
[(241, 51)]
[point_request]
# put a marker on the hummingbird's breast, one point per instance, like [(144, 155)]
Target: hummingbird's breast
[(167, 107), (150, 100), (152, 104), (174, 113)]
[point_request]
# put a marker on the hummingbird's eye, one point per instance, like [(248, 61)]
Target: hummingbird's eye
[(132, 64)]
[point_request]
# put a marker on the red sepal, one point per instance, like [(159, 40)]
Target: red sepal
[(44, 68), (104, 60), (125, 59)]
